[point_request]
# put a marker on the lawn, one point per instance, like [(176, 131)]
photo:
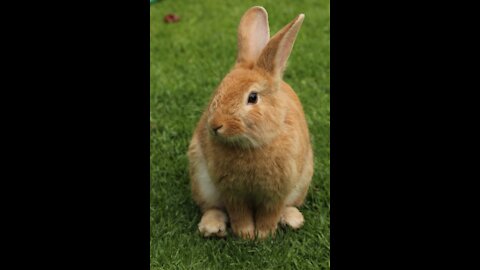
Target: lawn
[(187, 61)]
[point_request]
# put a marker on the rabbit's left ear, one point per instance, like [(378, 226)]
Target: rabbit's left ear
[(274, 56), (253, 35)]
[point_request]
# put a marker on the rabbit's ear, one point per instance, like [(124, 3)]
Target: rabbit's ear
[(274, 56), (253, 35)]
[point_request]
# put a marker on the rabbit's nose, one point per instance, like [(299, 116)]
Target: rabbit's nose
[(216, 128)]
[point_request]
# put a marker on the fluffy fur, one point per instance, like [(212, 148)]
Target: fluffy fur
[(255, 169)]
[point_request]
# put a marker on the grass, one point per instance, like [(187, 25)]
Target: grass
[(187, 61)]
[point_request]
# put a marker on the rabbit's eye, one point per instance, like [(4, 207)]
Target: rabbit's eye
[(252, 98)]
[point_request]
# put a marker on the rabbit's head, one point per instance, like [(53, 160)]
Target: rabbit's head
[(250, 106)]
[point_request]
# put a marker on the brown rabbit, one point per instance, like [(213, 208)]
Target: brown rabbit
[(250, 158)]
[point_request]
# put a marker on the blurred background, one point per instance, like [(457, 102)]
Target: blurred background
[(192, 47)]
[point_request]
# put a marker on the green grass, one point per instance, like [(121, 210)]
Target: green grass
[(187, 61)]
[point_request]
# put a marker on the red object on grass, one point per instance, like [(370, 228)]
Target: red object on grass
[(171, 18)]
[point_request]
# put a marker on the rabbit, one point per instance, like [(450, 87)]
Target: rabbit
[(250, 157)]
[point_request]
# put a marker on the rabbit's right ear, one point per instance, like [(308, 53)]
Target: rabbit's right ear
[(275, 55), (253, 35)]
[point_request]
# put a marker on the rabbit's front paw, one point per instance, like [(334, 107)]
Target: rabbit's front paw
[(292, 217), (213, 223)]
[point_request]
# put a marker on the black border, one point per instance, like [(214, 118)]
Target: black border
[(79, 133), (398, 131)]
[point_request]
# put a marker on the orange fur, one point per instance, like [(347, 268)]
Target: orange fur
[(260, 160)]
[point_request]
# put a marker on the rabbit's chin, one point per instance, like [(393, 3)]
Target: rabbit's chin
[(242, 141)]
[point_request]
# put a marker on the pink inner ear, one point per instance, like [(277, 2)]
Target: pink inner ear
[(259, 36), (253, 34)]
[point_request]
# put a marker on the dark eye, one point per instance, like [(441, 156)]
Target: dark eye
[(252, 98)]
